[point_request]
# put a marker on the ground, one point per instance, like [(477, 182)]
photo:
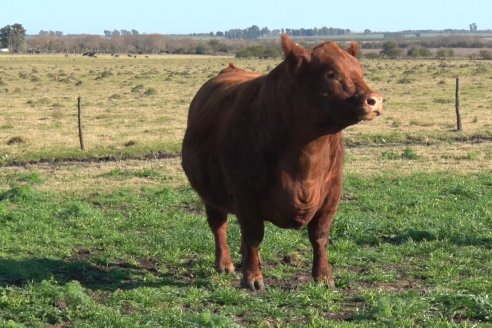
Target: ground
[(114, 235)]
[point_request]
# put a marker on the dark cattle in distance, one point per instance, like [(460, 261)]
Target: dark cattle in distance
[(89, 53), (269, 147)]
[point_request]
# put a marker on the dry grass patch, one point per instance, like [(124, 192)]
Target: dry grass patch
[(147, 99), (459, 158), (73, 179), (79, 178)]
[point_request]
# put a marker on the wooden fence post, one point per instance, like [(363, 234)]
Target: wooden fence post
[(458, 115), (79, 115)]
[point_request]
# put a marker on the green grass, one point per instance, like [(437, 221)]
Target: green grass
[(406, 251)]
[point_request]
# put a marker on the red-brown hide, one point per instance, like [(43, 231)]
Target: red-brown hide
[(269, 148)]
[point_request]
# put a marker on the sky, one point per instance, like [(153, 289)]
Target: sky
[(195, 16)]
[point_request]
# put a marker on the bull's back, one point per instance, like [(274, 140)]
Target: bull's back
[(211, 116), (215, 102)]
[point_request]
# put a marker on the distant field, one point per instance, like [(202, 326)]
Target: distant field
[(136, 105), (119, 239), (458, 52)]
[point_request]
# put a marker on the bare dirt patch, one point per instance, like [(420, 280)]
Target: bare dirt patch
[(96, 159)]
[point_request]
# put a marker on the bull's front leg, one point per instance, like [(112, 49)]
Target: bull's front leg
[(251, 238), (217, 220), (318, 230)]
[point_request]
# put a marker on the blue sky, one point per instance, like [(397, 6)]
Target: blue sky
[(187, 16)]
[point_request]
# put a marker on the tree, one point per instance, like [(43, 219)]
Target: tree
[(107, 33), (13, 37), (134, 32), (253, 32), (265, 31), (18, 38), (5, 33)]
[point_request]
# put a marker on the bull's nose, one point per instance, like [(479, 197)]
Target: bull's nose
[(375, 103)]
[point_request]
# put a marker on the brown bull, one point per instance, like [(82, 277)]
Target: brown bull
[(270, 148)]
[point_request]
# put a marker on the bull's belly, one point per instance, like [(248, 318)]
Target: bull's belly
[(295, 208), (287, 213), (291, 220)]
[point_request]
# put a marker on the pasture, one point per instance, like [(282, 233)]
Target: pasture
[(115, 237)]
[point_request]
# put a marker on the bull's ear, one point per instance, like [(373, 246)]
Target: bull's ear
[(294, 53), (353, 49)]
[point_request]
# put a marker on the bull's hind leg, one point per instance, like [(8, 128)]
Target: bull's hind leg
[(217, 220)]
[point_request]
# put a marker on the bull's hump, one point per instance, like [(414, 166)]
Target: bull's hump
[(233, 74)]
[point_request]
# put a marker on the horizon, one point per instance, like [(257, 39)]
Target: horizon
[(242, 28), (193, 16)]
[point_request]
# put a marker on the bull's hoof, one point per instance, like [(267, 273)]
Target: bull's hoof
[(227, 268), (326, 280), (253, 284), (330, 283)]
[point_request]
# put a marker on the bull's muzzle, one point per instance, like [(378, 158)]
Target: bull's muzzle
[(373, 107), (374, 102)]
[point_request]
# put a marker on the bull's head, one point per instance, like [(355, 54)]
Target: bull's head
[(332, 80)]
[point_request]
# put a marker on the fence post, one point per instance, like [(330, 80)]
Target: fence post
[(458, 115), (79, 115)]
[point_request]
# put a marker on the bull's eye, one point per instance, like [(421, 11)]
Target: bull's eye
[(330, 75)]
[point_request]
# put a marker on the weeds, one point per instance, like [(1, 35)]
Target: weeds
[(150, 92), (408, 153), (15, 141)]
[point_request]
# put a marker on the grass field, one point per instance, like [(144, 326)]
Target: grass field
[(119, 239)]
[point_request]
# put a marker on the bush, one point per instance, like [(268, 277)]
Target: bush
[(413, 52), (424, 52), (409, 153), (393, 53), (445, 52), (485, 54), (371, 55), (259, 51), (200, 49), (389, 45), (150, 92), (138, 88), (15, 141), (418, 52)]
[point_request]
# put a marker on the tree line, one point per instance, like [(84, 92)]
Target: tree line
[(255, 32), (454, 41), (243, 43)]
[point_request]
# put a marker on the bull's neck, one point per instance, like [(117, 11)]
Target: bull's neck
[(280, 111), (308, 163)]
